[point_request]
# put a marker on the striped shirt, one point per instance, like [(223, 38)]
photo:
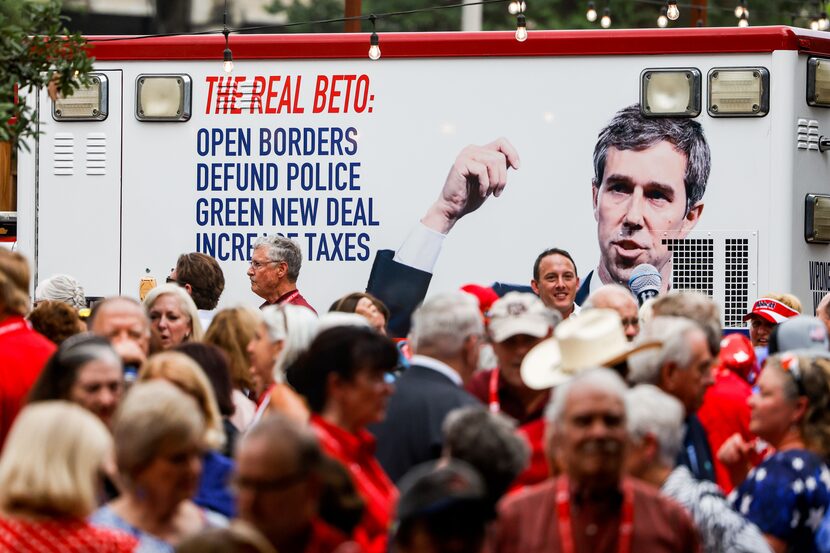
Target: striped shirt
[(60, 536)]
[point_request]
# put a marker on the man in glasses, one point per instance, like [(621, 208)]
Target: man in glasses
[(278, 485), (274, 269)]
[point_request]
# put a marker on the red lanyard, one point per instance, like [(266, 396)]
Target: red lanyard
[(563, 514), (494, 404), (290, 297)]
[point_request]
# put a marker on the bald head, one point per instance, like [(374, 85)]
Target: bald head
[(278, 463), (124, 323), (620, 299)]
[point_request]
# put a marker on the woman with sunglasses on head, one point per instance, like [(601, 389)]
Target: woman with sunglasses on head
[(787, 494)]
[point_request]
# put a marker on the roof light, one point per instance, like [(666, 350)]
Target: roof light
[(670, 92), (162, 97), (738, 92), (87, 103)]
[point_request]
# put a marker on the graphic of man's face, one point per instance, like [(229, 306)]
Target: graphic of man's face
[(642, 196)]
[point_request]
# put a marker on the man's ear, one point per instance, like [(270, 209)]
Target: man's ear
[(534, 286), (651, 448), (189, 289), (668, 377), (282, 269), (595, 197), (690, 220)]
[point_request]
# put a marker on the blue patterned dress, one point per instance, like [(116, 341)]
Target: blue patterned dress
[(786, 497)]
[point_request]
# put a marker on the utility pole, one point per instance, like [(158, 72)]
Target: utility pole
[(471, 16), (352, 9), (698, 13)]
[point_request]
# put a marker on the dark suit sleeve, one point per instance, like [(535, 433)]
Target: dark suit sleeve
[(401, 287)]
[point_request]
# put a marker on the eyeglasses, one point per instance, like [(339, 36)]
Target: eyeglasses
[(257, 265), (239, 482)]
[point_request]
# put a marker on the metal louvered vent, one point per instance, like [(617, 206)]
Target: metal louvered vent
[(692, 264), (721, 264), (63, 156), (96, 154), (736, 297)]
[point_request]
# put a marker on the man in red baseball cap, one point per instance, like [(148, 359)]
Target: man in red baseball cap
[(766, 313)]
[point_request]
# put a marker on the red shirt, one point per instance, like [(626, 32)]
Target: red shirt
[(532, 424), (61, 536), (724, 412), (356, 451), (327, 539), (23, 353), (293, 298)]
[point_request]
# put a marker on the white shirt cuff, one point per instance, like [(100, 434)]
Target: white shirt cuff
[(421, 248)]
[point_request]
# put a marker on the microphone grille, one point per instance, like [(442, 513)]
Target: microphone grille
[(645, 277)]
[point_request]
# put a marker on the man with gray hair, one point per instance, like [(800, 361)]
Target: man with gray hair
[(489, 443), (823, 311), (681, 367), (274, 270), (446, 334), (591, 506), (620, 299), (655, 426)]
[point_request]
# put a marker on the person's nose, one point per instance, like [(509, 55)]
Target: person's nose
[(162, 322), (634, 210), (250, 271), (107, 397)]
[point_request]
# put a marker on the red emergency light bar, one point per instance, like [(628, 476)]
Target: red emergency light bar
[(457, 44)]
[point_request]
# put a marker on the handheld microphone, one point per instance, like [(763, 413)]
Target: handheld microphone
[(645, 282)]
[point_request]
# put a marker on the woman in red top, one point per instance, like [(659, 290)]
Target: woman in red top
[(48, 482), (342, 376)]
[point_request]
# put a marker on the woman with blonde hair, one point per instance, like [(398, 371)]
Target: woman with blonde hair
[(49, 481), (787, 493), (283, 335), (174, 318), (159, 434), (232, 330), (186, 374)]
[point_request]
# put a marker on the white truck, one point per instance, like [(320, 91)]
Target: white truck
[(167, 153)]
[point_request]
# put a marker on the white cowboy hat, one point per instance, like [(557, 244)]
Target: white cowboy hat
[(593, 339)]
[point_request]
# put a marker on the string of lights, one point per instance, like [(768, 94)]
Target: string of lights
[(669, 11)]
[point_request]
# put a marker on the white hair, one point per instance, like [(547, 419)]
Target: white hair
[(443, 322), (652, 411), (340, 318), (295, 326), (62, 288), (673, 332), (598, 378)]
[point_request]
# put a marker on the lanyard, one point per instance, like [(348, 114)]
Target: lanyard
[(290, 297), (494, 404), (563, 515)]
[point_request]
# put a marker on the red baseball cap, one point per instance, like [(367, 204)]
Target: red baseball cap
[(771, 310)]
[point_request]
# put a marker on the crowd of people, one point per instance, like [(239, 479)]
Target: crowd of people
[(505, 420)]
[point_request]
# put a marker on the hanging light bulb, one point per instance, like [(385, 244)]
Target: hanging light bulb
[(521, 28), (374, 41), (591, 14), (743, 21), (662, 20), (227, 56), (605, 22), (374, 47), (739, 9), (814, 24), (516, 7), (672, 11), (823, 22)]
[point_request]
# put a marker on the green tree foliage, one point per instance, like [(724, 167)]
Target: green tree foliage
[(546, 14), (35, 46)]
